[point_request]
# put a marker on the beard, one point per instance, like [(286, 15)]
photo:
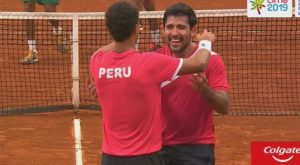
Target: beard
[(180, 48), (178, 44)]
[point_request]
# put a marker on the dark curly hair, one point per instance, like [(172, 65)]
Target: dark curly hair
[(181, 9), (121, 19)]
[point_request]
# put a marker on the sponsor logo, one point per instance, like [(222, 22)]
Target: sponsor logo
[(275, 153)]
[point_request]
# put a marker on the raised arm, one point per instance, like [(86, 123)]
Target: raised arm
[(199, 61)]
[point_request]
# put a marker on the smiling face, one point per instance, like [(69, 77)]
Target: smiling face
[(178, 34)]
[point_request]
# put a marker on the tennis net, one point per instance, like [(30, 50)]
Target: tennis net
[(261, 55)]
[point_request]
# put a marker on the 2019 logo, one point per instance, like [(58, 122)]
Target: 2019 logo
[(257, 5), (277, 5), (269, 8)]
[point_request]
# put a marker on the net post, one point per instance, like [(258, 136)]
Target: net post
[(75, 62)]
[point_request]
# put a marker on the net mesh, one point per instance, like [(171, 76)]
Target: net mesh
[(261, 55)]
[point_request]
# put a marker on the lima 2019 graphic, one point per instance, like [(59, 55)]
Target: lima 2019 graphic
[(269, 8), (257, 5)]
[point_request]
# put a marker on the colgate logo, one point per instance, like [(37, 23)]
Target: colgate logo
[(275, 153), (281, 151)]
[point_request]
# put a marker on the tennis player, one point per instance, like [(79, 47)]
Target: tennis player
[(187, 110), (49, 6), (128, 88)]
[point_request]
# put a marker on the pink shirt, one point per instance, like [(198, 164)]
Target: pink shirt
[(187, 117), (128, 89)]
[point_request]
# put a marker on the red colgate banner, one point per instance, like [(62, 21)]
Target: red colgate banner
[(275, 153)]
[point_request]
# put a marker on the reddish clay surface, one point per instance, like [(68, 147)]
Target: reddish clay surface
[(46, 138)]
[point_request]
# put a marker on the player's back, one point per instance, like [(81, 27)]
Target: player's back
[(128, 89)]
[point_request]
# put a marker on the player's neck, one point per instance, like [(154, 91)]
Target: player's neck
[(125, 45)]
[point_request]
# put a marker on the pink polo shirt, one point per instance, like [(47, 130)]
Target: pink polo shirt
[(187, 117), (128, 89)]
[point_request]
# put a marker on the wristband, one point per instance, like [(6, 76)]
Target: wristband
[(205, 44)]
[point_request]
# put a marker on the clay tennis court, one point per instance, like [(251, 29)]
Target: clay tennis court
[(47, 138)]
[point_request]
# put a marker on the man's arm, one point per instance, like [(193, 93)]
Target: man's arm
[(92, 87), (218, 99), (199, 61)]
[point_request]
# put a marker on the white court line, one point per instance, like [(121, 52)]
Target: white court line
[(78, 148)]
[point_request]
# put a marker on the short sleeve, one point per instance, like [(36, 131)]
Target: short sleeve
[(216, 74), (164, 68)]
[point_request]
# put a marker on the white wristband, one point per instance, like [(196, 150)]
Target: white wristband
[(205, 44)]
